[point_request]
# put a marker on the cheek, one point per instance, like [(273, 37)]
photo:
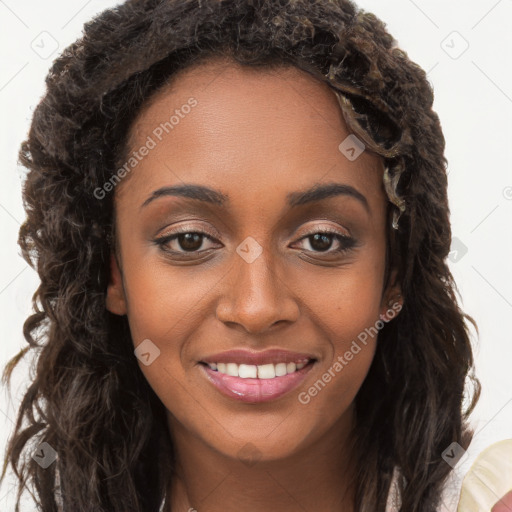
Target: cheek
[(346, 309), (351, 324), (166, 305), (346, 303)]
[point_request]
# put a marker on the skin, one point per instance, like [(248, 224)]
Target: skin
[(505, 504), (256, 136)]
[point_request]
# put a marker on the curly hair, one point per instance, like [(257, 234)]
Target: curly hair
[(88, 398)]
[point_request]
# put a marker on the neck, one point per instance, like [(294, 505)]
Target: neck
[(317, 478)]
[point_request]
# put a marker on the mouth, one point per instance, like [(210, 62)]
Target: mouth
[(236, 375)]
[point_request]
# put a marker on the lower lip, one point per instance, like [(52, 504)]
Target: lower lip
[(256, 390)]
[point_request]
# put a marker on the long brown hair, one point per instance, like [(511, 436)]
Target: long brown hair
[(88, 399)]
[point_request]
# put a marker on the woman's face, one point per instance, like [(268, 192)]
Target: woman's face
[(269, 269)]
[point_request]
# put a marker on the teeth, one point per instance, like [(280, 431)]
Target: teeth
[(247, 371), (264, 371), (280, 369), (232, 369)]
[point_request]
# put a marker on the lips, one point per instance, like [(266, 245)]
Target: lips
[(256, 376)]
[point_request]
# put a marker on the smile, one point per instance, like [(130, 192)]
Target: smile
[(234, 376)]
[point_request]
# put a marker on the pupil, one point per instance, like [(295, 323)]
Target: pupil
[(325, 242), (189, 241)]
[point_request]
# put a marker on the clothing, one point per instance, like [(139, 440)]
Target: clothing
[(453, 486)]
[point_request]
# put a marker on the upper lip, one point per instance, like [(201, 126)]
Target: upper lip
[(241, 356)]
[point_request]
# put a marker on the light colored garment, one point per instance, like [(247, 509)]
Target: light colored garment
[(458, 489), (489, 479)]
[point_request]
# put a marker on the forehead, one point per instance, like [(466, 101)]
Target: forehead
[(271, 130)]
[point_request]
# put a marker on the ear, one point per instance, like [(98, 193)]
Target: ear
[(115, 299), (392, 300)]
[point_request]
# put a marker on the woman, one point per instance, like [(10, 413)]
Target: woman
[(238, 212)]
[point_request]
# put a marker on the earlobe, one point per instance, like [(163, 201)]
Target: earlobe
[(392, 308), (392, 300), (115, 300)]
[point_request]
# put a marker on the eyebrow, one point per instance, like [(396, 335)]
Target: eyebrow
[(215, 197)]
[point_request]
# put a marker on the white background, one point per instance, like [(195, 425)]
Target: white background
[(473, 93)]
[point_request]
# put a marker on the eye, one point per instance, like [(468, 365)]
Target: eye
[(188, 240), (322, 241), (185, 240)]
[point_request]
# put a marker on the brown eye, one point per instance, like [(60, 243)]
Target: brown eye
[(184, 241), (323, 241), (190, 241)]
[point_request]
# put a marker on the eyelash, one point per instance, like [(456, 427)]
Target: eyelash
[(347, 243)]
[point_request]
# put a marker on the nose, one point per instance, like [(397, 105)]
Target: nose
[(257, 296)]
